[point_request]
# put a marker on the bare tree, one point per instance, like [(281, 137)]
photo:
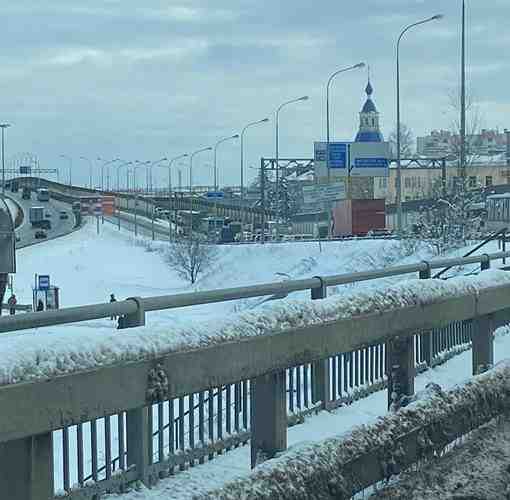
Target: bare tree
[(453, 219), (190, 257), (473, 127), (406, 141)]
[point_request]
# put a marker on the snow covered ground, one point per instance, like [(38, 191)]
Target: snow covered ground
[(88, 267)]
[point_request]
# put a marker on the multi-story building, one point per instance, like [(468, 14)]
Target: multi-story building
[(444, 143), (423, 182)]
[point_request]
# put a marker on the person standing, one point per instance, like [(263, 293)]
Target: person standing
[(112, 300), (40, 306), (12, 304)]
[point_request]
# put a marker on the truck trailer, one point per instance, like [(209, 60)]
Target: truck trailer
[(37, 219), (358, 217)]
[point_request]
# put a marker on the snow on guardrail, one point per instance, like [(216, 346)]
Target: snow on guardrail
[(59, 353), (339, 467)]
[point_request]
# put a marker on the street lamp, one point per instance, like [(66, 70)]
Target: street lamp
[(343, 70), (242, 150), (191, 187), (102, 170), (236, 136), (118, 171), (153, 164), (191, 166), (170, 163), (70, 166), (277, 157), (3, 126), (90, 169), (141, 164), (398, 184)]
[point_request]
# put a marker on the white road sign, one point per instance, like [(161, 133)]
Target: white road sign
[(323, 193)]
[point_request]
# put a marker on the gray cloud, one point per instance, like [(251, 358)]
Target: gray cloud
[(118, 78)]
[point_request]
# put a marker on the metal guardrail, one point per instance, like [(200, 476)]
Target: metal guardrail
[(246, 390), (134, 309)]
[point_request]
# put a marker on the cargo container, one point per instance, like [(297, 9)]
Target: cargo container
[(358, 217)]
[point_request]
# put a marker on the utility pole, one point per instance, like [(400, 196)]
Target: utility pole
[(463, 99)]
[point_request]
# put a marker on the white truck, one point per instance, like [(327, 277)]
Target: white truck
[(36, 217)]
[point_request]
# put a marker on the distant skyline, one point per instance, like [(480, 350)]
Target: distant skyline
[(120, 79)]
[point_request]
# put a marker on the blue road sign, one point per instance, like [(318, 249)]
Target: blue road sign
[(338, 154), (43, 282), (371, 163), (215, 194)]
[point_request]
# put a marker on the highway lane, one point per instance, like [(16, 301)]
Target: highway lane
[(59, 227), (144, 226)]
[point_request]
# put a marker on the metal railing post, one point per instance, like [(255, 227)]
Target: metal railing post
[(268, 416), (135, 319), (400, 370), (137, 434), (482, 343), (26, 468), (321, 381), (426, 337), (485, 262)]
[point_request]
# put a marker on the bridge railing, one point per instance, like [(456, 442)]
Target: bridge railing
[(149, 417)]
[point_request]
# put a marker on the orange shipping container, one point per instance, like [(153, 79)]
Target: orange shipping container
[(108, 203)]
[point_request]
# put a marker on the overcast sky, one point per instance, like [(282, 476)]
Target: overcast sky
[(143, 80)]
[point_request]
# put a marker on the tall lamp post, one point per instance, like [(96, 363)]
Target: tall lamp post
[(191, 187), (343, 70), (3, 126), (154, 164), (90, 169), (106, 163), (277, 158), (126, 163), (398, 184), (70, 166), (265, 120), (146, 165), (170, 163), (225, 139)]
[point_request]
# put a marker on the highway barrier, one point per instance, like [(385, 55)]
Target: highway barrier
[(145, 416)]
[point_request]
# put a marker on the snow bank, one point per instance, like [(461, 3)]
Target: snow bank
[(326, 470), (47, 356), (15, 210)]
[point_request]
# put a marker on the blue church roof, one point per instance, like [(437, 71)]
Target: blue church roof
[(369, 131), (369, 107), (368, 137)]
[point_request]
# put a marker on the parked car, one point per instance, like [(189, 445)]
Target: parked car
[(63, 214), (40, 233), (47, 215)]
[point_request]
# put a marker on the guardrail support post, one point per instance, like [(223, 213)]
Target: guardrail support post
[(137, 434), (483, 343), (426, 337), (268, 416), (26, 468), (485, 263), (321, 381), (400, 369), (135, 319)]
